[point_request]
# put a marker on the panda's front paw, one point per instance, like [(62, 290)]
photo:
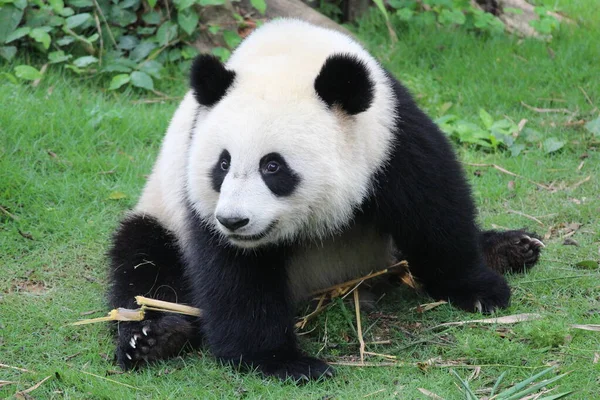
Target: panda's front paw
[(152, 340), (481, 291), (300, 369), (512, 251)]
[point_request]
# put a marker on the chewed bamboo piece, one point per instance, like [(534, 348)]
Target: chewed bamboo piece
[(126, 314)]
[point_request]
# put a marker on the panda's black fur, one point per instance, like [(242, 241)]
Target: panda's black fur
[(420, 197)]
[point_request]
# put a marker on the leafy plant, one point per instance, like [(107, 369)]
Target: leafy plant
[(446, 13), (128, 40), (546, 24)]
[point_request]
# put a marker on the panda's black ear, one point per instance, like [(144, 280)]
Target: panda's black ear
[(344, 81), (209, 79)]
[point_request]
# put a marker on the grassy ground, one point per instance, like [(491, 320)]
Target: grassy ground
[(68, 150)]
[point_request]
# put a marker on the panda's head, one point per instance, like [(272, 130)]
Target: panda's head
[(279, 148)]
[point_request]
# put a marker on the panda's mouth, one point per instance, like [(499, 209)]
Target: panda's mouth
[(255, 237)]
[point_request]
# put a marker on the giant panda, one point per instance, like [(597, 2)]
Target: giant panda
[(299, 164)]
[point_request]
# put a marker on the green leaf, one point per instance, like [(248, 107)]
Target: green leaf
[(118, 81), (57, 5), (382, 9), (448, 17), (152, 18), (27, 72), (67, 12), (188, 21), (10, 16), (142, 80), (83, 62), (222, 53), (20, 4), (214, 29), (9, 77), (80, 3), (531, 135), (593, 126), (405, 14), (205, 3), (185, 4), (77, 20), (516, 149), (40, 36), (58, 57), (152, 68), (128, 42), (260, 5), (486, 118), (141, 51), (121, 16), (18, 33), (8, 52), (166, 33), (65, 40), (553, 144), (134, 4), (152, 3), (117, 196), (189, 52), (232, 39), (587, 264)]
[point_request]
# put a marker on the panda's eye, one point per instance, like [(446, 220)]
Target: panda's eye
[(224, 164), (272, 167)]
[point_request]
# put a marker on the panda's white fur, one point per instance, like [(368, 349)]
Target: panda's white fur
[(275, 113)]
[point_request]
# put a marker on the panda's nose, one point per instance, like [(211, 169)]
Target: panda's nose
[(232, 223)]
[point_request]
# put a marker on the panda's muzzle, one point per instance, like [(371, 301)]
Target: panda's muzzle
[(255, 237), (233, 223)]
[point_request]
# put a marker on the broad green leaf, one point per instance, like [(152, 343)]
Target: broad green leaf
[(40, 36), (232, 39), (405, 14), (188, 21), (121, 16), (214, 29), (205, 3), (128, 42), (8, 52), (65, 40), (152, 68), (58, 57), (588, 264), (166, 33), (593, 126), (80, 3), (142, 80), (174, 55), (57, 5), (67, 12), (9, 77), (20, 4), (448, 17), (189, 52), (152, 3), (516, 149), (133, 4), (184, 4), (10, 16), (553, 144), (531, 135), (141, 51), (260, 5), (93, 38), (83, 62), (486, 118), (18, 33), (152, 18), (118, 81), (27, 72), (222, 53), (77, 20)]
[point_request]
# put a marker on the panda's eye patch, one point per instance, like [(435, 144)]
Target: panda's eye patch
[(219, 170), (279, 177)]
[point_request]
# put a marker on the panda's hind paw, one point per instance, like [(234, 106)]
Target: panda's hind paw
[(151, 340), (511, 251), (300, 370)]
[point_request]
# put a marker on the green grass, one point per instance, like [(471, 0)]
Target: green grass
[(66, 146)]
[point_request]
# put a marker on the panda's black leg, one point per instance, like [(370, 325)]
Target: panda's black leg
[(511, 251), (145, 261), (423, 200), (247, 314)]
